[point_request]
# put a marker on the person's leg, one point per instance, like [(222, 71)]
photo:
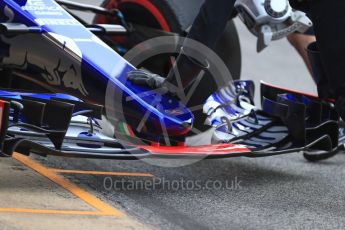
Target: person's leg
[(207, 29), (210, 23), (329, 25)]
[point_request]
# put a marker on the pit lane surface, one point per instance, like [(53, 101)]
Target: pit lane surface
[(281, 192)]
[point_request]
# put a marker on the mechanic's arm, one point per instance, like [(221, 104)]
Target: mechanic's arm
[(300, 42)]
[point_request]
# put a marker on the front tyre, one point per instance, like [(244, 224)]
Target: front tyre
[(174, 16)]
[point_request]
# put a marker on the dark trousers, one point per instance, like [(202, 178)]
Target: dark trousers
[(207, 29), (328, 17), (211, 21)]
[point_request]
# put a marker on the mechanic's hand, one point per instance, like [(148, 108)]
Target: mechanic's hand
[(150, 80)]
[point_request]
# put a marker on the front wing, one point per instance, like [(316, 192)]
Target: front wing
[(30, 124)]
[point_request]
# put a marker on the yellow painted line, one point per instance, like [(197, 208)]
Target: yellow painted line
[(47, 211), (74, 189), (102, 173)]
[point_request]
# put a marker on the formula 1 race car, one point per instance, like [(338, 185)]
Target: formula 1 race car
[(63, 87)]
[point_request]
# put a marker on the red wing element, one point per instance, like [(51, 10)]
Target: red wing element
[(218, 150)]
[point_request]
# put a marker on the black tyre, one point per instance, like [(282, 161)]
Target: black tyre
[(176, 16)]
